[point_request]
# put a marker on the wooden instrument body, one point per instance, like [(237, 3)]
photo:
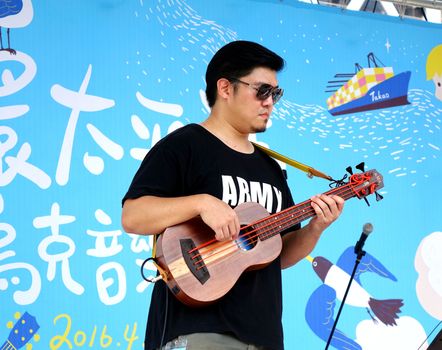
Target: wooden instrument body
[(225, 261)]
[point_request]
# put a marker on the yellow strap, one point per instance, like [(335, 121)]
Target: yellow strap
[(162, 272), (154, 246), (308, 169)]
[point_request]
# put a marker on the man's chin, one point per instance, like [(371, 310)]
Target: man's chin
[(259, 130)]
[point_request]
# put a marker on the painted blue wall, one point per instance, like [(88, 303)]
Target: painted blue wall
[(94, 84)]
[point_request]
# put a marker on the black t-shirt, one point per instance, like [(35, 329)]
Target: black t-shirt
[(192, 161)]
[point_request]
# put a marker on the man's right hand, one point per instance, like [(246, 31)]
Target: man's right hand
[(220, 217)]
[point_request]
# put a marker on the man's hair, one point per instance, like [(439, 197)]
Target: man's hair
[(235, 60)]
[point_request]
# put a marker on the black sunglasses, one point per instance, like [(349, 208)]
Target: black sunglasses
[(263, 91)]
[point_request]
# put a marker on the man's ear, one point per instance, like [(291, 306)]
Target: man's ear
[(224, 88)]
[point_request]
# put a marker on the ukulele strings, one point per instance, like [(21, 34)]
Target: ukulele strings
[(267, 230), (261, 220), (224, 247), (283, 220), (345, 193), (265, 218), (307, 212)]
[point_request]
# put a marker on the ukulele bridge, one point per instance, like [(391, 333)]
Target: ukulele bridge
[(194, 261)]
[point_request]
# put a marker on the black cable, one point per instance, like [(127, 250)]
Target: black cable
[(165, 318), (167, 298), (142, 270), (430, 334)]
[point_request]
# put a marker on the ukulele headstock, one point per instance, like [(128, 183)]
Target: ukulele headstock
[(365, 183)]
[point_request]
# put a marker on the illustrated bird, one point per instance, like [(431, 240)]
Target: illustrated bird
[(14, 14), (320, 306)]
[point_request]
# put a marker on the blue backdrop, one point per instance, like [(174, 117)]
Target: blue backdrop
[(92, 85)]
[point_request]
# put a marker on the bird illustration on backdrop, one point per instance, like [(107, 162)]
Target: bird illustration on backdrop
[(320, 306), (14, 14)]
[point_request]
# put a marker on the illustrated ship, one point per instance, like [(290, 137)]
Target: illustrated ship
[(369, 88)]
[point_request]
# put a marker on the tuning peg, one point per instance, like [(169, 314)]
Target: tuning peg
[(349, 170), (366, 201), (378, 196), (360, 166)]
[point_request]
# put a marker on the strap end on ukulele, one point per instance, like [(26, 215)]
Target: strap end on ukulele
[(313, 172), (156, 279), (162, 273)]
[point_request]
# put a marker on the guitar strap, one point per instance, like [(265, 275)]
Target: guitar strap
[(161, 271), (311, 172), (294, 163)]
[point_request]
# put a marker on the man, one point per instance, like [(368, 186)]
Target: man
[(206, 169)]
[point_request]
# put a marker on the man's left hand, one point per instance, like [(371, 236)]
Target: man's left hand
[(327, 209)]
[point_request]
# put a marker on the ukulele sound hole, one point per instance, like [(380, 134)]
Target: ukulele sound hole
[(247, 239)]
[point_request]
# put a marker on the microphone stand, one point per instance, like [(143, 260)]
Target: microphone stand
[(360, 253)]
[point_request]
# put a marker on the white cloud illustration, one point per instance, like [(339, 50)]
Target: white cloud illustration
[(428, 264)]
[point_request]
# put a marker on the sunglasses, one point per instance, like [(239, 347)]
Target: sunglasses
[(263, 91)]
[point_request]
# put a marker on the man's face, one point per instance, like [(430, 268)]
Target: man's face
[(251, 114)]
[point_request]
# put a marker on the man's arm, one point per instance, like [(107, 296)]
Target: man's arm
[(298, 244), (152, 215)]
